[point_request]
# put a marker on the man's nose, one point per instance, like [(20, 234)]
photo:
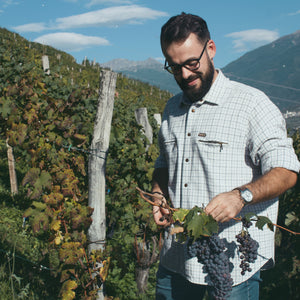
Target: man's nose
[(185, 73)]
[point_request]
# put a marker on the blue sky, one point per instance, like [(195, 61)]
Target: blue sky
[(104, 30)]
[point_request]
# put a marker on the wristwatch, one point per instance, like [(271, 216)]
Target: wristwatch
[(246, 195)]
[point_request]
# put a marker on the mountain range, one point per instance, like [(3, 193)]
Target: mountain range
[(273, 68), (150, 71)]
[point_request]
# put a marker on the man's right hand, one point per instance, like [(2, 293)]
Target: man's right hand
[(160, 214), (160, 187)]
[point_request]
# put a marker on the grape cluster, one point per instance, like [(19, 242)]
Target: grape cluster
[(246, 223), (247, 247), (210, 252)]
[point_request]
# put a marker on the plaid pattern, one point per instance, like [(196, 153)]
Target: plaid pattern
[(231, 137)]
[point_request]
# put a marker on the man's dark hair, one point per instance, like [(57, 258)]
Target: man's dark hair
[(179, 27)]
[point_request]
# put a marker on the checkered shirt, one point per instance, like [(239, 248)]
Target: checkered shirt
[(231, 137)]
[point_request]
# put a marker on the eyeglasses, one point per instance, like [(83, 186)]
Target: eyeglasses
[(191, 64)]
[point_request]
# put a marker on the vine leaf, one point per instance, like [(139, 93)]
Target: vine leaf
[(210, 226), (262, 221), (71, 252), (180, 215), (290, 218), (67, 292), (104, 270), (248, 216), (195, 227), (198, 223)]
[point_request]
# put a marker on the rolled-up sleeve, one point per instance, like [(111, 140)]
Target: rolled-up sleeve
[(269, 144)]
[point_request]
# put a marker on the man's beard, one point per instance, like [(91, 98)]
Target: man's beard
[(196, 94)]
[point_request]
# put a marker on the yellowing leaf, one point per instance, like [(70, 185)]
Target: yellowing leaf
[(79, 137), (104, 269), (57, 240), (180, 215), (55, 225), (67, 292)]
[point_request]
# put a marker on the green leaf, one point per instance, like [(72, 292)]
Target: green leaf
[(6, 107), (40, 221), (198, 223), (31, 176), (194, 211), (262, 221), (248, 216), (290, 218), (195, 227), (44, 181), (210, 226), (71, 252), (180, 215)]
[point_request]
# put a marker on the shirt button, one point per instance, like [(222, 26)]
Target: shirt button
[(193, 110), (189, 134), (187, 160), (186, 185)]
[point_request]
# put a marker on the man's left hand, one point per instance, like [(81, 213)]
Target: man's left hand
[(225, 206)]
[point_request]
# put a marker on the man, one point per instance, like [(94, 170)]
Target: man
[(223, 146)]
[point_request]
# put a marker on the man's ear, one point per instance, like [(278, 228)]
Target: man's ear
[(211, 49)]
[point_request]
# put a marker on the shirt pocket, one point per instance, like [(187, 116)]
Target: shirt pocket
[(171, 152), (212, 149)]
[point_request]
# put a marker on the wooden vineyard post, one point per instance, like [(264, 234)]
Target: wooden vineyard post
[(157, 118), (46, 65), (97, 159), (12, 170), (141, 117)]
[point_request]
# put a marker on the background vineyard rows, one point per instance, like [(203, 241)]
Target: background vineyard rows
[(48, 120)]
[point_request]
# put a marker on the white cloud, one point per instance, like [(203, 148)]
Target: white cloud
[(7, 3), (31, 27), (160, 59), (112, 16), (249, 39), (294, 13), (68, 41), (111, 2)]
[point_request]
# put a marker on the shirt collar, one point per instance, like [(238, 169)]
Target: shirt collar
[(214, 95)]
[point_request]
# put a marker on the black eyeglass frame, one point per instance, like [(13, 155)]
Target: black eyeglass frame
[(178, 67)]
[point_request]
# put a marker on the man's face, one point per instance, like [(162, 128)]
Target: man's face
[(195, 84)]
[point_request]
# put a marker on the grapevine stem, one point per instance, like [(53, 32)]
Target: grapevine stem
[(276, 225), (162, 203), (162, 199)]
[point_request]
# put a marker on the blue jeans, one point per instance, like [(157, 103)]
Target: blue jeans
[(172, 286)]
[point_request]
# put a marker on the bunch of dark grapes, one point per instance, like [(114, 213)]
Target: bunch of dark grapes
[(246, 223), (210, 252), (247, 247)]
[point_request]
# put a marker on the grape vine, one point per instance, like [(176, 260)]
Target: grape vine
[(201, 231)]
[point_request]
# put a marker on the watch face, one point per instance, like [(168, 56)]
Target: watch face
[(247, 195)]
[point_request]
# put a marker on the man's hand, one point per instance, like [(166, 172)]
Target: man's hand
[(225, 206), (160, 214), (160, 186)]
